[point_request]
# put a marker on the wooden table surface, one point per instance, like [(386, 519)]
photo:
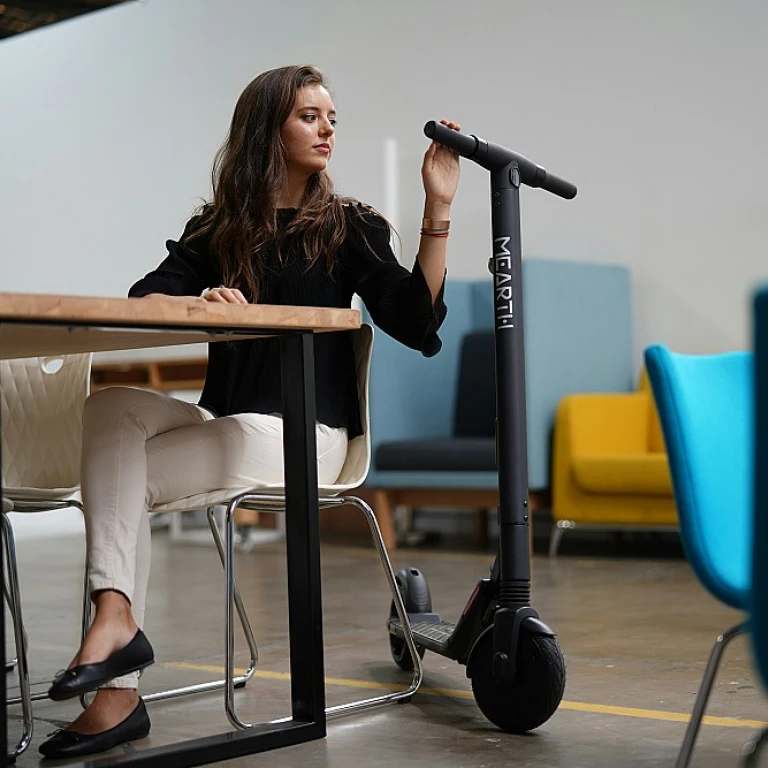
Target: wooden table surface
[(35, 325)]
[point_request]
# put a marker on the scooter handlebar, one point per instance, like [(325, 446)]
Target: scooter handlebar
[(464, 144), (492, 156), (557, 186)]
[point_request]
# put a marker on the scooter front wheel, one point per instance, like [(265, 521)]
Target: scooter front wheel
[(535, 693)]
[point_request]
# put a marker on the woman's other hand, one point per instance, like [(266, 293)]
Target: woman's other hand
[(224, 295), (440, 170)]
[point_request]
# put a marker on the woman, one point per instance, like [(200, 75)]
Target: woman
[(275, 233)]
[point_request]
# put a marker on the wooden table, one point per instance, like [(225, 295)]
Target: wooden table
[(41, 325)]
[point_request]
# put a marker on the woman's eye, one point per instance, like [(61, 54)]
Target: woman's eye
[(311, 117)]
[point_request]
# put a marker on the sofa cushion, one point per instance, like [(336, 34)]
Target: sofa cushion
[(450, 454), (646, 473), (475, 410)]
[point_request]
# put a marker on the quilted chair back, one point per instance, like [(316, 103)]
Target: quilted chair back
[(705, 405), (41, 414)]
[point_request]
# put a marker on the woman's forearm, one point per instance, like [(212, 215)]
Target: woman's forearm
[(432, 250)]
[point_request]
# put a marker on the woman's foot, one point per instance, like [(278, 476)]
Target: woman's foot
[(115, 716), (112, 628), (113, 647), (109, 708)]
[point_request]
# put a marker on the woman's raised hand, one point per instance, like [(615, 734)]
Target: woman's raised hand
[(440, 170)]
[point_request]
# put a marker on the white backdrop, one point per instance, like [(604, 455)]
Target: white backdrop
[(108, 125)]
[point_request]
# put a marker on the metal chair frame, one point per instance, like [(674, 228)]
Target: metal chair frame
[(716, 655), (273, 503)]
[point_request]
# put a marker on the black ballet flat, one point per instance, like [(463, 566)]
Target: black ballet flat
[(73, 744), (137, 655)]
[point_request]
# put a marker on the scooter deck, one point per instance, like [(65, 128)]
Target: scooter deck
[(434, 635)]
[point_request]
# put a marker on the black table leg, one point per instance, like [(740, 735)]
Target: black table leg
[(305, 615)]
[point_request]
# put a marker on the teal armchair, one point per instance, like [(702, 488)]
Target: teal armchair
[(578, 339)]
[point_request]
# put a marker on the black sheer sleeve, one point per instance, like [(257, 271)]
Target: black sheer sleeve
[(186, 271), (399, 301)]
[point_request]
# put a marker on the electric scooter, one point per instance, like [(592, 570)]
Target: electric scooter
[(512, 657)]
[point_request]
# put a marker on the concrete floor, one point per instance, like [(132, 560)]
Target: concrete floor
[(636, 633)]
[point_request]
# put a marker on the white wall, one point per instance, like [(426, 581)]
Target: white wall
[(108, 125)]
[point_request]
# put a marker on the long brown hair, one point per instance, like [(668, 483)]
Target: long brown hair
[(249, 171)]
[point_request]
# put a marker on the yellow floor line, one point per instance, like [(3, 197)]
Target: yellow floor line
[(575, 706)]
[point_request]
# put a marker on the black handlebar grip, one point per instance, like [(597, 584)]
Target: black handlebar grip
[(559, 187), (465, 145), (495, 156)]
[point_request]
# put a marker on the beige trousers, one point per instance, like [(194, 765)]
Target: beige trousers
[(141, 448)]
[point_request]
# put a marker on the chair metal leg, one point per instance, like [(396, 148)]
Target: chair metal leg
[(275, 504), (244, 621), (418, 669), (10, 664), (752, 749), (14, 604), (229, 626), (556, 535), (236, 681), (231, 600), (21, 505), (85, 618), (85, 623), (715, 656)]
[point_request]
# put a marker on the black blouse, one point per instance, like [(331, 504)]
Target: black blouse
[(244, 376)]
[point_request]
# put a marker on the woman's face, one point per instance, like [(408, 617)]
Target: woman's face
[(308, 134)]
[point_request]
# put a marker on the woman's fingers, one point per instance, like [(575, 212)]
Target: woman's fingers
[(435, 147), (229, 295), (451, 125), (224, 295)]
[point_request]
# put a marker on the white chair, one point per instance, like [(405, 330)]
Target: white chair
[(271, 498), (42, 403), (41, 406)]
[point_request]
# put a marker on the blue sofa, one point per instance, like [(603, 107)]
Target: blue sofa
[(578, 338)]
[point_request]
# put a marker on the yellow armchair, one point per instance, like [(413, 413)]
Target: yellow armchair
[(610, 466)]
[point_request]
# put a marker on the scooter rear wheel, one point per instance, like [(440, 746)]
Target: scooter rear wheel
[(417, 599), (536, 692)]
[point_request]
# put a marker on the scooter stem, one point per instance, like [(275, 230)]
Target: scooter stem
[(508, 171)]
